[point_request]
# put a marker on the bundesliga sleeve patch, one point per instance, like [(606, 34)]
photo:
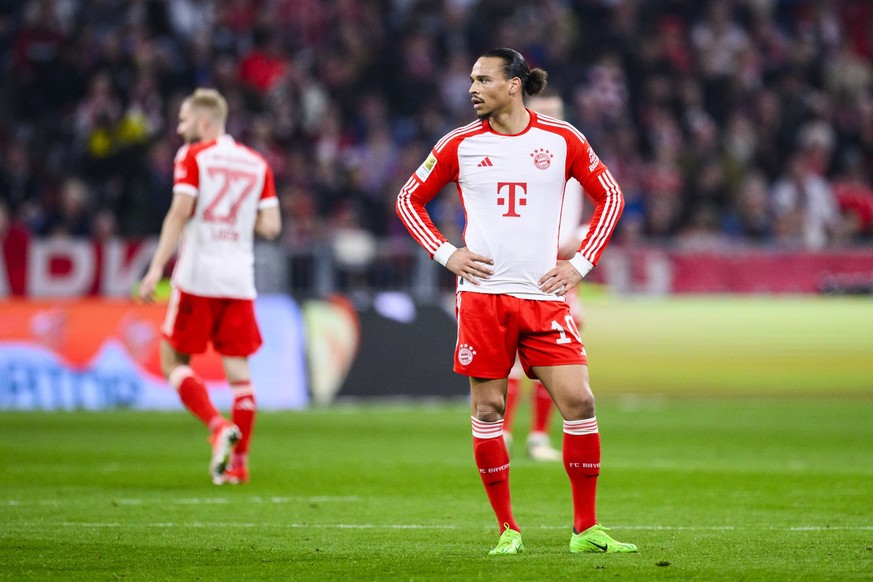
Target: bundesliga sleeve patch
[(426, 168)]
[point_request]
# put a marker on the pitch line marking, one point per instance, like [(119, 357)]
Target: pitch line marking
[(413, 526), (192, 501)]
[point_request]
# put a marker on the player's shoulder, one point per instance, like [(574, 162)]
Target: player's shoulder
[(248, 150), (457, 135), (559, 126), (183, 152), (193, 149)]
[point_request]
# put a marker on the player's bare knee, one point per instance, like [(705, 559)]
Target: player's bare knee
[(579, 408), (489, 411)]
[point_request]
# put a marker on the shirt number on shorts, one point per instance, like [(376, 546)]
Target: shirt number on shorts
[(562, 330), (236, 185)]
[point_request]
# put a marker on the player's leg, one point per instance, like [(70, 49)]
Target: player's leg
[(242, 414), (551, 350), (190, 387), (539, 447), (185, 331), (486, 358), (492, 457), (581, 447), (236, 336), (513, 387), (571, 391), (195, 397)]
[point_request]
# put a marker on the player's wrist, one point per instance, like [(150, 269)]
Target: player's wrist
[(443, 253), (581, 264)]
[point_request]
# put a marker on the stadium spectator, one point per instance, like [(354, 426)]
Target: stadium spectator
[(73, 213), (20, 187), (223, 194), (513, 166), (854, 197), (752, 217), (806, 211)]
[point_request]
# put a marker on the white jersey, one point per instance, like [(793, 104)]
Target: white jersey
[(572, 229), (231, 183), (513, 189)]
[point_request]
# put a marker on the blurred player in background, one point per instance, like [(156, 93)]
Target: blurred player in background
[(511, 167), (223, 194), (572, 232)]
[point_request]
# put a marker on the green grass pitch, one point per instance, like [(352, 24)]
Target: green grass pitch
[(713, 480)]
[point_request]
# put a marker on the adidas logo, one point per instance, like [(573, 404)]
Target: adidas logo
[(244, 404), (485, 163)]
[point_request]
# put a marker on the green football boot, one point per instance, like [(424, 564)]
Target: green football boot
[(596, 540), (509, 543)]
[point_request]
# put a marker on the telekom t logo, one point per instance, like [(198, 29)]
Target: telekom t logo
[(514, 196)]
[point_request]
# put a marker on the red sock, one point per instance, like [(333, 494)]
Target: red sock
[(192, 392), (542, 408), (582, 462), (513, 385), (239, 460), (243, 413), (492, 459)]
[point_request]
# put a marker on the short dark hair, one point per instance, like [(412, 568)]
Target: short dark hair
[(533, 81)]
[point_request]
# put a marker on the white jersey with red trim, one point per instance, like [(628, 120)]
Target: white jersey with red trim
[(572, 229), (231, 183), (512, 188)]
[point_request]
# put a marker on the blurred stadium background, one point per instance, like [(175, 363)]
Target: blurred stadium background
[(740, 130)]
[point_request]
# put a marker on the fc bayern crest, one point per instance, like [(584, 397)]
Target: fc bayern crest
[(465, 354), (542, 158)]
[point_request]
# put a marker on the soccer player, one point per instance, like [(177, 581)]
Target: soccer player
[(223, 194), (511, 167), (572, 231)]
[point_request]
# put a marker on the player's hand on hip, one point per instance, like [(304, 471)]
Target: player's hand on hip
[(470, 266), (560, 279)]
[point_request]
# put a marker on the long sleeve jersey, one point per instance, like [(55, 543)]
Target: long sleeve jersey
[(512, 188)]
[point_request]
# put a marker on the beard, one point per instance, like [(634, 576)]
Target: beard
[(483, 114)]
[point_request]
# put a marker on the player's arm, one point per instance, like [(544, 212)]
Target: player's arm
[(608, 199), (603, 189), (180, 211), (268, 223), (420, 189)]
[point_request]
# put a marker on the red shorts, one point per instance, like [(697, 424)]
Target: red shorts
[(193, 321), (492, 328)]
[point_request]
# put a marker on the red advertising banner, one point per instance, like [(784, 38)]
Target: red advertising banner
[(55, 268), (662, 272), (59, 267)]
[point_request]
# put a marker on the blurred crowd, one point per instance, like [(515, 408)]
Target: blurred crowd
[(726, 122)]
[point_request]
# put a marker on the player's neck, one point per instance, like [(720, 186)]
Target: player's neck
[(510, 121)]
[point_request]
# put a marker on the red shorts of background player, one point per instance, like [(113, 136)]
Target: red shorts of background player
[(193, 321), (491, 328)]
